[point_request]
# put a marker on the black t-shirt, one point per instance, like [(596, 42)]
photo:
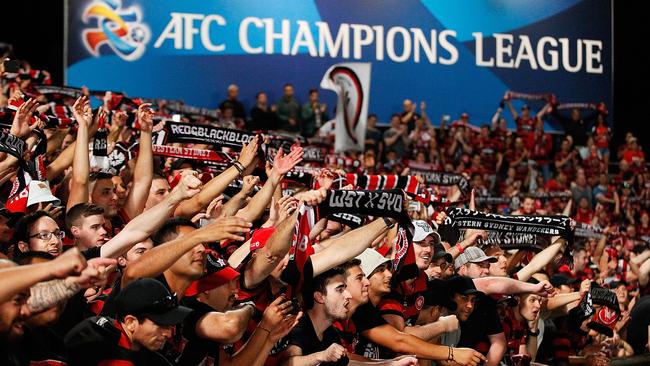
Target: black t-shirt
[(304, 336), (197, 350), (483, 321), (366, 317), (637, 329)]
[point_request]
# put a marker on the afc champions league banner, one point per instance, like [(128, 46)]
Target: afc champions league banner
[(457, 56)]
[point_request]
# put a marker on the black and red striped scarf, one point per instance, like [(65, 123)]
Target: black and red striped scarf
[(408, 183)]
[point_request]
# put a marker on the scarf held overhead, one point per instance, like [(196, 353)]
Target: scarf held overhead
[(543, 225)]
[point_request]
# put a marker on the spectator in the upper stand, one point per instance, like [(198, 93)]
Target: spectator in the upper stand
[(288, 110), (408, 115), (396, 137), (525, 122), (540, 145), (234, 103), (374, 140), (602, 135), (227, 119), (633, 154), (85, 222), (576, 126), (263, 117), (313, 116)]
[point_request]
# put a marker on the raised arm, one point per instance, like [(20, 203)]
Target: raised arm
[(342, 248), (541, 259), (158, 259), (145, 224), (268, 257), (81, 163), (281, 165), (14, 279), (143, 172), (509, 286), (512, 109), (216, 186)]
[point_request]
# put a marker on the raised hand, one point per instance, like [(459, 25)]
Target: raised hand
[(275, 313), (71, 262), (226, 228), (82, 112), (312, 197), (145, 117), (249, 184), (95, 274), (249, 153), (287, 206), (20, 126), (284, 163), (188, 187), (544, 288), (53, 211)]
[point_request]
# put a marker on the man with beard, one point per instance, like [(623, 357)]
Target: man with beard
[(368, 278)]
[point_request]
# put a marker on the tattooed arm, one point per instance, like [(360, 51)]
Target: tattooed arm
[(45, 295)]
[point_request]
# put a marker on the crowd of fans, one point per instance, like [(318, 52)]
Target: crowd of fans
[(167, 261)]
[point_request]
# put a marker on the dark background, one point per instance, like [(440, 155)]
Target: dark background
[(35, 28)]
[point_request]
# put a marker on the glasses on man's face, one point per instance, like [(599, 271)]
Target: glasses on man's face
[(47, 235)]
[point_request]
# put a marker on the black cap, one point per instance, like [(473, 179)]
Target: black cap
[(149, 298), (440, 252), (438, 293), (462, 285), (560, 279), (178, 163)]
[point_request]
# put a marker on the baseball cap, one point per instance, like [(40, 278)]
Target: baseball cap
[(260, 237), (422, 230), (151, 299), (473, 255), (39, 191), (560, 279), (438, 293), (464, 115), (440, 252), (218, 272), (370, 260), (462, 285)]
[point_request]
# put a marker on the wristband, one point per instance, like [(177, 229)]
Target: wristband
[(460, 248), (533, 334), (239, 167)]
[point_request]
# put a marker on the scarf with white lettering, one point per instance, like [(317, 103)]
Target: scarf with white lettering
[(347, 219), (186, 133), (376, 203), (439, 178), (408, 183), (541, 225), (526, 96)]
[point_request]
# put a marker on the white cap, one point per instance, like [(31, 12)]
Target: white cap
[(370, 260), (422, 230), (40, 192)]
